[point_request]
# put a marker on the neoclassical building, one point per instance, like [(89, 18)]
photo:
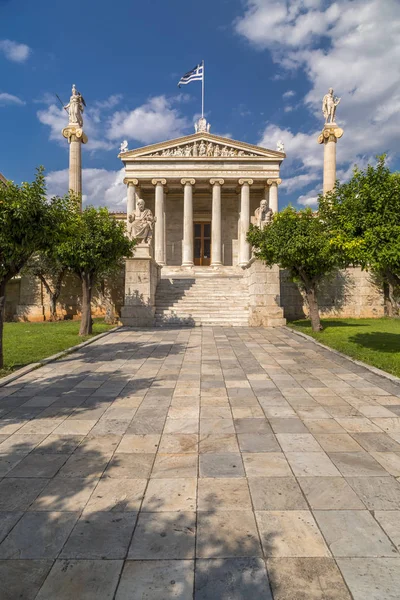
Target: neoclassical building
[(203, 190)]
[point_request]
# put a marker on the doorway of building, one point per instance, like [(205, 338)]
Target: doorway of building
[(202, 244)]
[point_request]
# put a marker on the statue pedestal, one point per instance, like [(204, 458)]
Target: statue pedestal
[(143, 250), (142, 274)]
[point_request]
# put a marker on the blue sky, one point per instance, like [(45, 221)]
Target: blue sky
[(268, 65)]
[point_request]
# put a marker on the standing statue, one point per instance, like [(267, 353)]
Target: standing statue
[(263, 214), (140, 223), (124, 146), (280, 146), (329, 104), (75, 107), (202, 149)]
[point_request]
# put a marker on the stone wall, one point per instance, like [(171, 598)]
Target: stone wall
[(350, 293), (264, 295), (27, 299)]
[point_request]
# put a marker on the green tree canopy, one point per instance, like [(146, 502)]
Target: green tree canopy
[(98, 245), (29, 222), (363, 216), (299, 242)]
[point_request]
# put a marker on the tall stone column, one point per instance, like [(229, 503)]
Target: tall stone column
[(329, 137), (273, 193), (188, 243), (216, 223), (159, 248), (76, 137), (132, 189), (244, 249)]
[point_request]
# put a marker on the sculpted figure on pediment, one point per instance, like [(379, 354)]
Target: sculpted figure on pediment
[(210, 149), (140, 223), (217, 151), (188, 150), (263, 214), (202, 149), (178, 151), (225, 151), (195, 149)]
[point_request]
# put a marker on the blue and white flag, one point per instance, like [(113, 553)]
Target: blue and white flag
[(195, 74)]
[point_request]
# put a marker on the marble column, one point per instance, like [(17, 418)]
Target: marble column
[(244, 249), (159, 248), (76, 137), (329, 137), (188, 243), (132, 185), (273, 193), (216, 223)]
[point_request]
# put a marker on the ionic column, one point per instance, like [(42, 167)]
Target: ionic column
[(187, 249), (131, 195), (273, 193), (329, 137), (159, 252), (216, 223), (76, 137), (244, 249)]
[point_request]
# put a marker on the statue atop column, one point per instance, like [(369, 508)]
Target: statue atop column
[(75, 107), (329, 104), (140, 223), (263, 214)]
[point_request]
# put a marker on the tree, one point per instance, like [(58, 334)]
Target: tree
[(97, 246), (299, 242), (47, 267), (28, 223), (363, 216)]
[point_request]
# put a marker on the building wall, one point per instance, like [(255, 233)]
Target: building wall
[(350, 293)]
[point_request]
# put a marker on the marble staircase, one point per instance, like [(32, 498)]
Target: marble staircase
[(202, 296)]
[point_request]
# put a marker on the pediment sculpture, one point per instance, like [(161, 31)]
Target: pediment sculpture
[(140, 223), (202, 148)]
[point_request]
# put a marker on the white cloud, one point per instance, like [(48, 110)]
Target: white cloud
[(307, 200), (101, 187), (56, 118), (154, 121), (352, 45), (288, 108), (14, 51), (10, 99), (288, 94)]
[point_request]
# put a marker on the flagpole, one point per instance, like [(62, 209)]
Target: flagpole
[(202, 92)]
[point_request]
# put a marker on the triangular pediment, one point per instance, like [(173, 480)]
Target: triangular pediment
[(204, 146)]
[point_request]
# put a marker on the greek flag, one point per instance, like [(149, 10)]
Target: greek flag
[(195, 74)]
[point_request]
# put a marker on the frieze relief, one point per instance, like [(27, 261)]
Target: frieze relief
[(202, 149)]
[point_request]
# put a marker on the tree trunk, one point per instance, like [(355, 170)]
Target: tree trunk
[(87, 288), (388, 307), (314, 309), (2, 315)]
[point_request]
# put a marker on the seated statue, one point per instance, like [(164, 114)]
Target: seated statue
[(140, 223), (263, 214)]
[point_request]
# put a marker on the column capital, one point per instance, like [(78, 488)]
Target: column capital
[(274, 182), (243, 181), (188, 181), (330, 134), (157, 181), (217, 181), (134, 182)]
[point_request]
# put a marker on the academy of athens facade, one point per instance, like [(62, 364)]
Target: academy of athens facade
[(203, 190), (192, 200)]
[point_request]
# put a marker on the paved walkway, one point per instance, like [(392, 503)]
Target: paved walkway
[(213, 463)]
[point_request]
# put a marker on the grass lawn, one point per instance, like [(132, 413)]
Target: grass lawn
[(26, 343), (373, 341)]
